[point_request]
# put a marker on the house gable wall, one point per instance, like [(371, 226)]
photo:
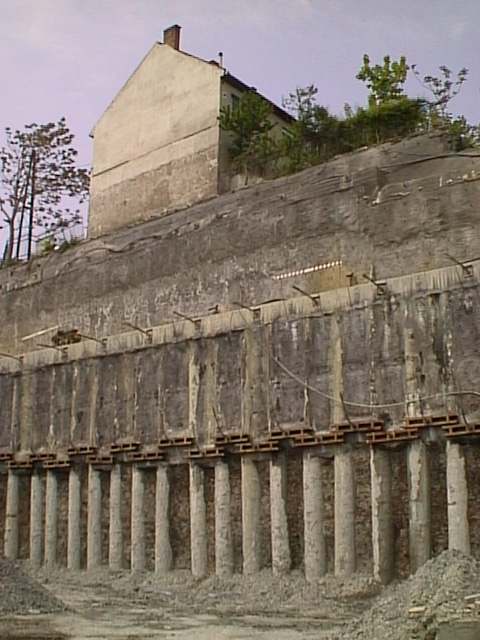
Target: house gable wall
[(156, 145)]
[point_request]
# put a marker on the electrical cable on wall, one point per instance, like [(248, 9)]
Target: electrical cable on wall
[(351, 403)]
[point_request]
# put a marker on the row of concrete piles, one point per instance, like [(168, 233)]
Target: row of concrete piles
[(44, 515)]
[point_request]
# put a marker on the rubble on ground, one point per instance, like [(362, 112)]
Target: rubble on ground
[(21, 594), (445, 589), (265, 593)]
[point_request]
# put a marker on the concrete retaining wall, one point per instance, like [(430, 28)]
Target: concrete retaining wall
[(338, 376), (390, 210)]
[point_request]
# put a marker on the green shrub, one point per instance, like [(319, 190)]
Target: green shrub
[(394, 118), (249, 125)]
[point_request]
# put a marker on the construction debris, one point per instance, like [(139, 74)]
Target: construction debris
[(439, 593), (21, 594)]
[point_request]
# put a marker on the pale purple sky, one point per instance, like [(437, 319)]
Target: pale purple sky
[(70, 57)]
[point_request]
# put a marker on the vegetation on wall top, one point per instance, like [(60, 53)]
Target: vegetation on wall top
[(317, 135)]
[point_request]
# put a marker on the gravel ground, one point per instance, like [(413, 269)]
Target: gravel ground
[(262, 594), (21, 594), (266, 593), (445, 589), (415, 608)]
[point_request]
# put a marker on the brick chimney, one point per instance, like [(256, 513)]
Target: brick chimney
[(171, 36)]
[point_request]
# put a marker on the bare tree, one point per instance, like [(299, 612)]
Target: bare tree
[(443, 87), (39, 179)]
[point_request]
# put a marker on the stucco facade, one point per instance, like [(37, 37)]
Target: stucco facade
[(156, 146)]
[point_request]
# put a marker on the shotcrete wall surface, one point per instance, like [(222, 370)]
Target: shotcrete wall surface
[(258, 383), (386, 211)]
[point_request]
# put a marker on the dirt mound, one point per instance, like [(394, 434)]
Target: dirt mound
[(21, 594), (416, 607)]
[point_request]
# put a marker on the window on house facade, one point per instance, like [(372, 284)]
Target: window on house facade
[(235, 101)]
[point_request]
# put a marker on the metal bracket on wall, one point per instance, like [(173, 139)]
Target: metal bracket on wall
[(467, 269), (381, 286), (315, 300), (148, 333), (102, 341), (9, 355), (185, 317), (63, 350)]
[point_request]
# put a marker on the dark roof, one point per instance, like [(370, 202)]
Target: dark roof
[(241, 86), (238, 84)]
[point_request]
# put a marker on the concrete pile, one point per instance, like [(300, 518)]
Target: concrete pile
[(20, 594), (443, 590)]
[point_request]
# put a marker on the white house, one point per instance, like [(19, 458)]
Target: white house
[(158, 146)]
